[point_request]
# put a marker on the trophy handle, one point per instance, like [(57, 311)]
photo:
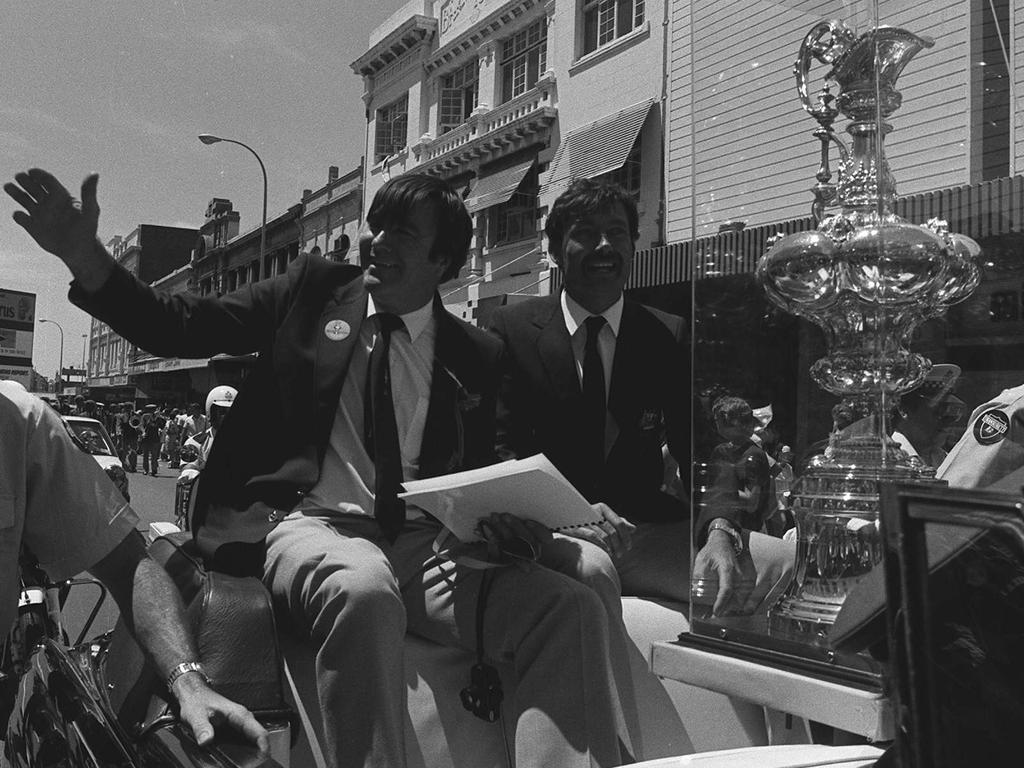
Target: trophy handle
[(826, 41)]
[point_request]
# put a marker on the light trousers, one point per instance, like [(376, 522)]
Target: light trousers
[(336, 581)]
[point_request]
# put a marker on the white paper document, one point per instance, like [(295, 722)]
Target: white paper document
[(531, 488)]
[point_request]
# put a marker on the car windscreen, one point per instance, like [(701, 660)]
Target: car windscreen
[(93, 439)]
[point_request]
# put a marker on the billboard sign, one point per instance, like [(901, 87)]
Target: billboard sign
[(17, 323)]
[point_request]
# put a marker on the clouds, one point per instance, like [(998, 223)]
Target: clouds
[(30, 122), (251, 37)]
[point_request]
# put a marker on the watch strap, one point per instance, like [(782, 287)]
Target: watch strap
[(184, 668), (731, 531)]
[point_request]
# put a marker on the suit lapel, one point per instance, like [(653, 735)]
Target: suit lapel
[(554, 347), (442, 452), (337, 336), (623, 395)]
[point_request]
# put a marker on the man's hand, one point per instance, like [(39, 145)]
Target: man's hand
[(614, 534), (62, 225), (735, 575), (520, 539), (202, 709)]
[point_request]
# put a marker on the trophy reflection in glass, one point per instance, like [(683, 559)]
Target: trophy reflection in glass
[(868, 278)]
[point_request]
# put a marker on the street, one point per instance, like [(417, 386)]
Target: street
[(153, 497), (153, 500)]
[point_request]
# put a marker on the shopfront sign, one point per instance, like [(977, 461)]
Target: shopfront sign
[(167, 364), (17, 323)]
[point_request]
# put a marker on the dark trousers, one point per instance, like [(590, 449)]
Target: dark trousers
[(150, 458)]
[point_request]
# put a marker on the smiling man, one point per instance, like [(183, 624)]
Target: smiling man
[(364, 379), (599, 384)]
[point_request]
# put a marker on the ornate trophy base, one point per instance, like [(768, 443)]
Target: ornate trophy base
[(835, 504)]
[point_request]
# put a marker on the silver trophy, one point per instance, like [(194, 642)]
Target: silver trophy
[(868, 278)]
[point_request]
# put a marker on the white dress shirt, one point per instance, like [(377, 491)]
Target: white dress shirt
[(347, 472)]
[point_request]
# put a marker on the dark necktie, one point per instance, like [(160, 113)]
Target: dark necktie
[(594, 401), (382, 433)]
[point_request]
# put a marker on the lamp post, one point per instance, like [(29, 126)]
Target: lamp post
[(209, 138), (60, 365), (84, 369)]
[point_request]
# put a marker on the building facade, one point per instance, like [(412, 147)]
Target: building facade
[(223, 259), (331, 215), (508, 101), (150, 252)]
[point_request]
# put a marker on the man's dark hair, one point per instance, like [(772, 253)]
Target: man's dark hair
[(583, 197), (454, 226), (733, 410)]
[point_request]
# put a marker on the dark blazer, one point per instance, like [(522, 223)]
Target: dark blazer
[(269, 450), (540, 406)]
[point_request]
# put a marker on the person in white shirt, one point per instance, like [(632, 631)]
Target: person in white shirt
[(58, 504)]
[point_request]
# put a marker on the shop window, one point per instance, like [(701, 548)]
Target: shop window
[(523, 59), (628, 175), (459, 93), (392, 128), (1004, 307), (232, 281), (606, 20)]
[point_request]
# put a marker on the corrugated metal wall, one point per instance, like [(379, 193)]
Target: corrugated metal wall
[(739, 143)]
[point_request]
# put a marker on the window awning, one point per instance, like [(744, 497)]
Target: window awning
[(598, 147), (498, 187)]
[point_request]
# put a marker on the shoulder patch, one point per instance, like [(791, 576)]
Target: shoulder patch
[(991, 427)]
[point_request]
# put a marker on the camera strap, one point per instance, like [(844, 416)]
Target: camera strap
[(483, 695)]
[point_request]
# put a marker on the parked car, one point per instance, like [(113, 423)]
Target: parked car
[(93, 438)]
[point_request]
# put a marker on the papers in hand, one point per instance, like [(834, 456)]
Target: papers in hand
[(531, 488)]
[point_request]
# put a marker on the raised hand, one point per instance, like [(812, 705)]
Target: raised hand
[(61, 224)]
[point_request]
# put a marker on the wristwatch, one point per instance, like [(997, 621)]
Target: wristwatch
[(184, 668), (729, 529)]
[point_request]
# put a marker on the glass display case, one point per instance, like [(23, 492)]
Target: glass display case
[(843, 230)]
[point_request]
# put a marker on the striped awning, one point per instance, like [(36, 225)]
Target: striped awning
[(987, 209), (498, 187), (598, 147)]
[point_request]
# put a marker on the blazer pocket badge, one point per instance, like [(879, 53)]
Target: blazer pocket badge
[(650, 419)]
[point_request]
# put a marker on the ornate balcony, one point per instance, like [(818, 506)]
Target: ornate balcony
[(489, 134)]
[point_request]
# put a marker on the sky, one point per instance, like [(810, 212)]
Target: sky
[(123, 87)]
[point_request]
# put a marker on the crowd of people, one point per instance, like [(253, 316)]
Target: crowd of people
[(143, 435)]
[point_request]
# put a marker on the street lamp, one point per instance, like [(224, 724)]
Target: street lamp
[(84, 337), (209, 138), (60, 365)]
